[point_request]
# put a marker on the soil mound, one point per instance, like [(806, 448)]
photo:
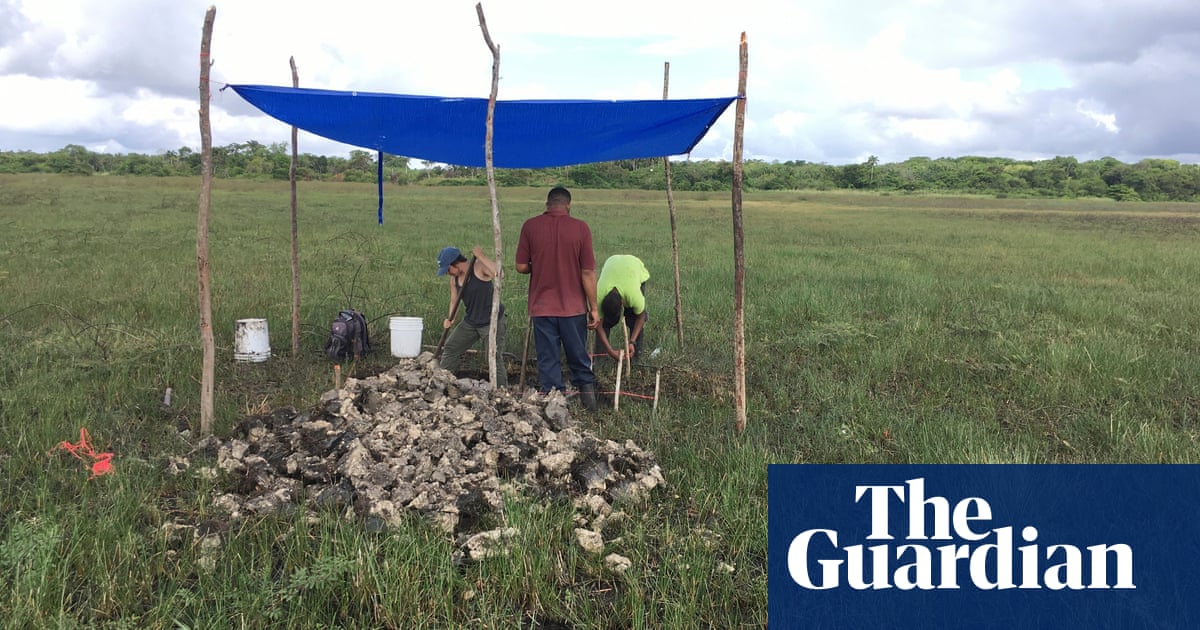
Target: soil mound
[(415, 439)]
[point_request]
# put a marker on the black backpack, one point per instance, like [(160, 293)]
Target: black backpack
[(348, 336)]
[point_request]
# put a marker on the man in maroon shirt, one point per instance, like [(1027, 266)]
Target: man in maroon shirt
[(556, 250)]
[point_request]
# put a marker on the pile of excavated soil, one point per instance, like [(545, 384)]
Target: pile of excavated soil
[(415, 439)]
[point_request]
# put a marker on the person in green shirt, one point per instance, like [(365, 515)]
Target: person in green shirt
[(622, 291)]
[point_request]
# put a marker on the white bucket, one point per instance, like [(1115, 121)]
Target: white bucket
[(406, 336), (250, 341)]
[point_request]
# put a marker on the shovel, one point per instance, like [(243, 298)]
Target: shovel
[(437, 354)]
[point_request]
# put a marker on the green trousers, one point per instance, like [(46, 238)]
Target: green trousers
[(463, 336)]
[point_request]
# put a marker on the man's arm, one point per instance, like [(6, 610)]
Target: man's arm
[(524, 260), (589, 290), (639, 301), (637, 330), (608, 349)]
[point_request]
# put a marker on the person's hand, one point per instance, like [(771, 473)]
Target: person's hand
[(446, 324), (631, 350), (615, 355), (593, 319), (477, 251)]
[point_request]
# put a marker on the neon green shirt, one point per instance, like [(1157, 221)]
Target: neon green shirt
[(626, 273)]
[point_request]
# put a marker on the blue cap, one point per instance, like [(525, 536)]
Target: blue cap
[(446, 257)]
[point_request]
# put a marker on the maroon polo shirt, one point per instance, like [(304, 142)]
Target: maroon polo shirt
[(558, 247)]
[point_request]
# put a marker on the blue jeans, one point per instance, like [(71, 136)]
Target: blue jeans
[(549, 333)]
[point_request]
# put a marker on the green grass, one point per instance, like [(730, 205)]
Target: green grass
[(880, 329)]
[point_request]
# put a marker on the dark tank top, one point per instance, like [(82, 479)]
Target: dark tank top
[(477, 297)]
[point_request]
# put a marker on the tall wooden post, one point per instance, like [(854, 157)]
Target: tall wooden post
[(202, 261), (295, 229), (491, 179), (739, 259), (674, 229)]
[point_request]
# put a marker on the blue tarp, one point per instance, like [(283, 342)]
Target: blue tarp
[(527, 134)]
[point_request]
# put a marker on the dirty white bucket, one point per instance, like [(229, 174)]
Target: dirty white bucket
[(251, 343), (406, 336)]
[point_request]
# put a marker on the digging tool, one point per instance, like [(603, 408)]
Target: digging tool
[(624, 353), (525, 353), (437, 354), (617, 396), (654, 411)]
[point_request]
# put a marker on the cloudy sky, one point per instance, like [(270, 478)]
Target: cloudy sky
[(830, 81)]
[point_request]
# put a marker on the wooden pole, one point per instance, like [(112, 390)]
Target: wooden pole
[(739, 258), (491, 179), (203, 269), (617, 394), (295, 228), (674, 228), (625, 348), (525, 353), (654, 410)]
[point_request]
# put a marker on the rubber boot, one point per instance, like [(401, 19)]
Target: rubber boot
[(587, 396)]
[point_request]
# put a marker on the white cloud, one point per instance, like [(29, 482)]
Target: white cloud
[(937, 132), (1091, 111), (788, 124), (25, 106)]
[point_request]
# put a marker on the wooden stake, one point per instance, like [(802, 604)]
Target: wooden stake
[(625, 348), (525, 353), (617, 395), (295, 229), (208, 368), (337, 376), (739, 258), (674, 229), (491, 179), (654, 410)]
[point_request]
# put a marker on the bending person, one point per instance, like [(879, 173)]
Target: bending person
[(472, 282), (622, 291)]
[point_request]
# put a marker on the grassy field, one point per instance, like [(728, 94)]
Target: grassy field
[(880, 329)]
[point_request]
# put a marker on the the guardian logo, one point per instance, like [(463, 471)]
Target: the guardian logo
[(949, 546)]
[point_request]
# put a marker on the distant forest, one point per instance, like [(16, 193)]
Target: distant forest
[(1147, 180)]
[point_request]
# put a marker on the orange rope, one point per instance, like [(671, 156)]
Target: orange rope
[(101, 462), (631, 394)]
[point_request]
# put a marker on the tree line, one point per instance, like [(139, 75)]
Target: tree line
[(1147, 180)]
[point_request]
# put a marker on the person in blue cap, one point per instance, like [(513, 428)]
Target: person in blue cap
[(472, 282)]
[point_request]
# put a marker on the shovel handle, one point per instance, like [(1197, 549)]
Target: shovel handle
[(437, 354), (525, 353)]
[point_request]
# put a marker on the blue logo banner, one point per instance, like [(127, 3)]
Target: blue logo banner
[(984, 546)]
